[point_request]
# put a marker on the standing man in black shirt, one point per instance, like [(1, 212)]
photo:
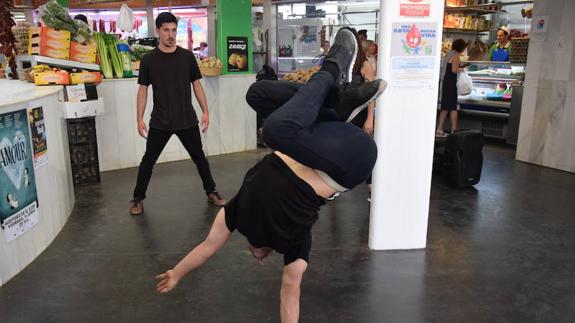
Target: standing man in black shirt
[(170, 70)]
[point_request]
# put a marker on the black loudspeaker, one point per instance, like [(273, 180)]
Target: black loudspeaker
[(463, 158)]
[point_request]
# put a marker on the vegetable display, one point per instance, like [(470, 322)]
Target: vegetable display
[(110, 60), (55, 16)]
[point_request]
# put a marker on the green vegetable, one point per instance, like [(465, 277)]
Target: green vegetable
[(111, 43), (55, 16), (103, 55)]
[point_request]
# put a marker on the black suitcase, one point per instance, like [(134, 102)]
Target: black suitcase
[(463, 158)]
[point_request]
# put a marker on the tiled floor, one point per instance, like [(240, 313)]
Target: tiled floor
[(500, 252)]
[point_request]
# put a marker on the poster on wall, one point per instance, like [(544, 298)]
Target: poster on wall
[(38, 134), (237, 54), (18, 198), (413, 51), (414, 8), (539, 30)]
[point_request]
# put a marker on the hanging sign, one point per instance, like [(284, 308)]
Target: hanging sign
[(414, 8)]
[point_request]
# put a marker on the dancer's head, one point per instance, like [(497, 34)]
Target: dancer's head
[(260, 253)]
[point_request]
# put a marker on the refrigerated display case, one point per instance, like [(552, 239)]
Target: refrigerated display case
[(495, 102), (298, 44)]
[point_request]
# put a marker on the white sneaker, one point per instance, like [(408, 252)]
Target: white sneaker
[(331, 198), (369, 198)]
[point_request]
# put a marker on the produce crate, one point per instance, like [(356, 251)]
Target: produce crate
[(210, 71), (52, 78), (519, 50), (83, 53), (49, 42), (83, 150)]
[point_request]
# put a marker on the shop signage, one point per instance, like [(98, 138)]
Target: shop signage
[(38, 134), (413, 50), (414, 8), (237, 54), (18, 198), (540, 29)]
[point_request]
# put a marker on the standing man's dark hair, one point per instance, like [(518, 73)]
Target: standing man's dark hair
[(170, 69), (165, 17)]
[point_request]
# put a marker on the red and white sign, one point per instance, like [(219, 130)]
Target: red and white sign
[(414, 8)]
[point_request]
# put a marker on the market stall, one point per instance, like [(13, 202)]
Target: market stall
[(68, 111), (65, 51), (494, 104)]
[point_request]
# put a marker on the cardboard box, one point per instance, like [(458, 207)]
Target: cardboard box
[(85, 77), (49, 42), (83, 53), (51, 78)]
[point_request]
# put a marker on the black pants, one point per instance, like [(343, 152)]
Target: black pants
[(266, 96), (299, 125), (157, 140)]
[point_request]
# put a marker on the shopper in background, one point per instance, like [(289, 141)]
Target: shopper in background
[(369, 49), (499, 52), (280, 197), (170, 69), (449, 87), (362, 35), (203, 51), (81, 17)]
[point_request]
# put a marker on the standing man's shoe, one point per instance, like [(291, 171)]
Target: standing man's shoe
[(136, 207), (343, 53), (354, 98), (215, 199)]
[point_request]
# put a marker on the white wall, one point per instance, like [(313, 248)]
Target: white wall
[(547, 126)]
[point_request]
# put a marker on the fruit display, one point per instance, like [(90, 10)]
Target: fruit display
[(210, 66), (301, 75), (210, 62)]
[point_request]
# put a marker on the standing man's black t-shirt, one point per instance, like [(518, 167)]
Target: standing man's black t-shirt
[(170, 75)]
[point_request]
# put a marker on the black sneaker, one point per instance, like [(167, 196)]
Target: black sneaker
[(356, 97), (343, 53)]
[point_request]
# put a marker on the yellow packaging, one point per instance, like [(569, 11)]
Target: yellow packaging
[(47, 42), (51, 78), (85, 77), (83, 53)]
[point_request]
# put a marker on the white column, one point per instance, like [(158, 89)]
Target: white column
[(405, 124), (212, 45), (150, 18)]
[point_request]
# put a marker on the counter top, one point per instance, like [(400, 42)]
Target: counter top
[(15, 92)]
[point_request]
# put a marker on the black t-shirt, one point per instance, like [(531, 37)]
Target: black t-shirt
[(171, 75), (275, 208)]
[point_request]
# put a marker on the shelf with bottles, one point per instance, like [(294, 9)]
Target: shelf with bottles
[(465, 31)]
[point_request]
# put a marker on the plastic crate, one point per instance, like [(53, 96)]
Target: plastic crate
[(83, 150)]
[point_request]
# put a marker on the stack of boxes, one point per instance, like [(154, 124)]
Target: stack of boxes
[(519, 49), (49, 42), (53, 43)]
